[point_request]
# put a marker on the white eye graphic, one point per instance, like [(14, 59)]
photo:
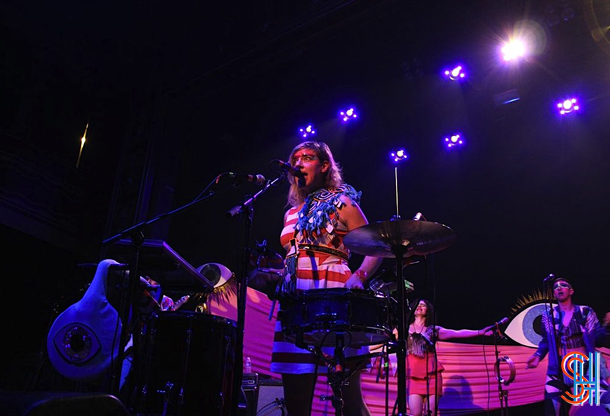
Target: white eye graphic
[(526, 327)]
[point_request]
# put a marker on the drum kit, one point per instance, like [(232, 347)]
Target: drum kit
[(316, 320), (355, 318)]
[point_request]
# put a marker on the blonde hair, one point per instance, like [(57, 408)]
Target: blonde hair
[(333, 177)]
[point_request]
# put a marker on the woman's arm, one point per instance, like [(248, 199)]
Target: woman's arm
[(352, 217), (444, 333)]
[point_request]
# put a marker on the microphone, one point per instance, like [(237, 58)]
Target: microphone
[(288, 168), (549, 277), (502, 321), (496, 327), (256, 179), (499, 333)]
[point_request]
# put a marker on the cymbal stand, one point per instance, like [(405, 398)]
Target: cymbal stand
[(399, 252), (397, 216), (401, 344)]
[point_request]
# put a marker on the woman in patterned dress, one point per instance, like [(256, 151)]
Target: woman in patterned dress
[(424, 373), (323, 209)]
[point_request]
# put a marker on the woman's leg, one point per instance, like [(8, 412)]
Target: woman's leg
[(432, 408), (298, 390), (353, 402), (416, 404)]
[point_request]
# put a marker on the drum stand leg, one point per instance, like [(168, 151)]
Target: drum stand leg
[(336, 373)]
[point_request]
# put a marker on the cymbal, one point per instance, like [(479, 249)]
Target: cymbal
[(403, 237)]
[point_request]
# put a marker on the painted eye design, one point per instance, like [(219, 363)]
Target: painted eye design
[(526, 327), (77, 343)]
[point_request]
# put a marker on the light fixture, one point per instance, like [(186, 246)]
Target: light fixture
[(307, 131), (568, 105), (455, 140), (399, 156), (513, 50), (347, 115), (455, 74)]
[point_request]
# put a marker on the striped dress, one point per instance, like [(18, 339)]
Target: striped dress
[(314, 270)]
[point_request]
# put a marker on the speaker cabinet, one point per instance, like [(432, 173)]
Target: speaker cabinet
[(270, 398), (60, 403)]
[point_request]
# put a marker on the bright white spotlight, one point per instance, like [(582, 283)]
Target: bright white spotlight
[(513, 50), (307, 131), (568, 106)]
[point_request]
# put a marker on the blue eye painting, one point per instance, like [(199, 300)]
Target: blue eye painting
[(525, 327)]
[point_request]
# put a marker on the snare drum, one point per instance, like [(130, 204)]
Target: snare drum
[(315, 317)]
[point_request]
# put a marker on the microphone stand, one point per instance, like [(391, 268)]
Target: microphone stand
[(502, 394), (129, 313), (247, 209)]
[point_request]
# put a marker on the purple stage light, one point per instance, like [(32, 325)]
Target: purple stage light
[(568, 105), (399, 156), (455, 140), (307, 131), (456, 73), (348, 115)]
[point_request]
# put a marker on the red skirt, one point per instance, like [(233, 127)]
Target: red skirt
[(423, 376)]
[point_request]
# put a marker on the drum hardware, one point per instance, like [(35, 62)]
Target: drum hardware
[(400, 239), (384, 282), (263, 257), (338, 317), (338, 374), (315, 317), (179, 348)]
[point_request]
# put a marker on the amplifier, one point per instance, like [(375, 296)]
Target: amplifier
[(270, 398), (249, 388), (262, 396)]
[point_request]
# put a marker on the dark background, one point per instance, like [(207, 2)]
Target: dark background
[(177, 94)]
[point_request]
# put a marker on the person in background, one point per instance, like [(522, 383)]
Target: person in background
[(424, 372), (322, 210), (569, 328)]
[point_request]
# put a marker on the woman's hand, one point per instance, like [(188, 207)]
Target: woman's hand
[(533, 361), (487, 331), (354, 282)]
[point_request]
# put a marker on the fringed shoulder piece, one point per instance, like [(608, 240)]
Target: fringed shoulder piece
[(321, 204)]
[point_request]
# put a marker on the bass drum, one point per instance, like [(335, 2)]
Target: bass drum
[(190, 365)]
